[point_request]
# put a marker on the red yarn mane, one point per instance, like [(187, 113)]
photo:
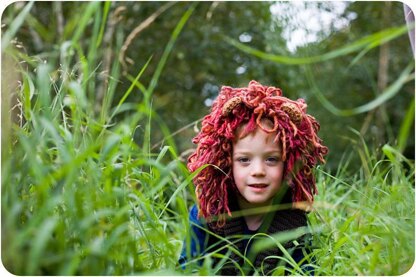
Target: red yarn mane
[(297, 131)]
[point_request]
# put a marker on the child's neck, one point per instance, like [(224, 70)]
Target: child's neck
[(254, 221), (253, 213)]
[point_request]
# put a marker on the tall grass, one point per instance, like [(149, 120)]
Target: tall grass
[(367, 219), (80, 197)]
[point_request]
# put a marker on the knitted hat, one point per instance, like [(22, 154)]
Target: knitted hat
[(296, 130)]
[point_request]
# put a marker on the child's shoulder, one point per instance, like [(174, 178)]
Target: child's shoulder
[(193, 212), (193, 216)]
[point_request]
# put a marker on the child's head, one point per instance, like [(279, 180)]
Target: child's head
[(257, 166), (244, 117)]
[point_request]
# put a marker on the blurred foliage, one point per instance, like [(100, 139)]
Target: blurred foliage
[(202, 61)]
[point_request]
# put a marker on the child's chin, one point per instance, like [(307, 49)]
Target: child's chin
[(257, 201)]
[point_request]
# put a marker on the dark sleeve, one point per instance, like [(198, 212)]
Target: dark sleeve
[(194, 243)]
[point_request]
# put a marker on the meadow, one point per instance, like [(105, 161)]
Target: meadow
[(79, 196)]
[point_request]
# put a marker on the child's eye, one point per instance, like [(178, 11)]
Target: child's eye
[(243, 160), (273, 160)]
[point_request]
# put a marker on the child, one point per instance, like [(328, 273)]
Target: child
[(256, 149)]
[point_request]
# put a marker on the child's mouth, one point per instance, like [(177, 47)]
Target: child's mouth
[(258, 185)]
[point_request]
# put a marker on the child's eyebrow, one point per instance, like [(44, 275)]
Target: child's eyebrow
[(248, 152)]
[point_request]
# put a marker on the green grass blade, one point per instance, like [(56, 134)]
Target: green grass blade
[(386, 95), (368, 42), (185, 183), (43, 235), (130, 89), (107, 6), (92, 7), (169, 48), (406, 126), (14, 26)]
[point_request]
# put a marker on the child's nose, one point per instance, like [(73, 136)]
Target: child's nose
[(258, 169)]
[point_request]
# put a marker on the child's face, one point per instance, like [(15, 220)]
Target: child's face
[(257, 167)]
